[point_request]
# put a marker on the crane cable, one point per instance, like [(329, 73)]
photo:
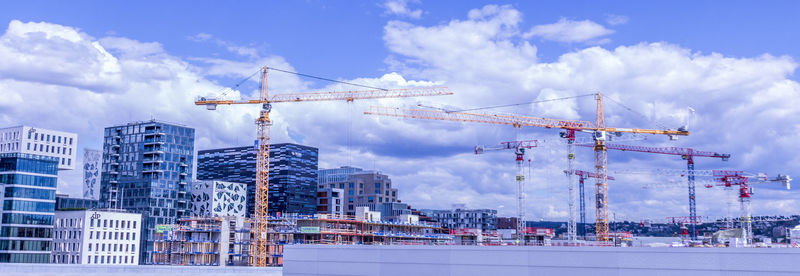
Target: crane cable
[(235, 86), (518, 104)]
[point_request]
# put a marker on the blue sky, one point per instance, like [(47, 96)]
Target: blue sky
[(732, 61)]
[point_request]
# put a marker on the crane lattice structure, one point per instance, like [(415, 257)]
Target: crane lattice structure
[(726, 179), (582, 176), (598, 129), (687, 154), (263, 123)]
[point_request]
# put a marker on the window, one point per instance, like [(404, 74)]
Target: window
[(70, 142), (134, 236), (341, 185), (48, 137), (69, 161), (36, 136), (351, 185), (29, 145), (127, 236), (133, 246), (377, 186), (104, 245), (105, 224), (134, 225), (91, 223), (29, 135), (90, 247)]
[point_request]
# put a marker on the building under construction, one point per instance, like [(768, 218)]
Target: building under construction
[(222, 241)]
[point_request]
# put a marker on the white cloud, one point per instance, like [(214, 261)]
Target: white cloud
[(745, 106), (566, 30), (400, 7), (614, 19), (246, 51)]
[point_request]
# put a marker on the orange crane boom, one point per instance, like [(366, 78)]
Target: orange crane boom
[(261, 214), (598, 129)]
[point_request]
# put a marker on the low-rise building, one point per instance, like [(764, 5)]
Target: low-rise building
[(458, 218), (107, 237)]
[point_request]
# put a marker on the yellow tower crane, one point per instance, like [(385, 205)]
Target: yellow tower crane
[(598, 129), (261, 214)]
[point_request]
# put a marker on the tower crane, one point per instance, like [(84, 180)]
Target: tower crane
[(520, 150), (583, 175), (727, 179), (687, 154), (263, 123), (598, 129)]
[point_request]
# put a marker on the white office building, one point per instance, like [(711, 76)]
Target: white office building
[(39, 141), (103, 237)]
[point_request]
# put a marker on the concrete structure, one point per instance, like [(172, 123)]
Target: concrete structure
[(361, 188), (97, 237), (140, 270), (330, 201), (39, 141), (794, 236), (213, 198), (484, 219), (92, 160), (65, 203), (292, 181), (28, 193), (218, 241), (146, 168), (528, 260)]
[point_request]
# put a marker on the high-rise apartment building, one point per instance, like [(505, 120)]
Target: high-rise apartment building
[(292, 176), (28, 193), (39, 141), (361, 188), (147, 168)]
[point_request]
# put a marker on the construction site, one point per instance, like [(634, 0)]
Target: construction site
[(259, 241)]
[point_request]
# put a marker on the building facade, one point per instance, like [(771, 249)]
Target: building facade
[(214, 198), (484, 219), (146, 168), (330, 201), (65, 203), (92, 160), (361, 188), (102, 237), (292, 177), (217, 241), (39, 141), (28, 193)]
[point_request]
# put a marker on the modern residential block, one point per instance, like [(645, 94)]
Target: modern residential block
[(330, 201), (214, 198), (39, 141), (28, 193), (146, 168), (102, 237), (457, 218), (217, 241), (361, 188), (293, 174)]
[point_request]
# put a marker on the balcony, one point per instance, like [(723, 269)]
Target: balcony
[(152, 160), (114, 146), (153, 133), (152, 170), (184, 164)]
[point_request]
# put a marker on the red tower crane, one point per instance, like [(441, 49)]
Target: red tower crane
[(727, 179), (687, 154)]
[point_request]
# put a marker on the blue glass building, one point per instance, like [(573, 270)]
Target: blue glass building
[(28, 193), (292, 181), (147, 167)]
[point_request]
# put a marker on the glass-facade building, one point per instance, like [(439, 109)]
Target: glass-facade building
[(147, 168), (292, 177), (28, 193)]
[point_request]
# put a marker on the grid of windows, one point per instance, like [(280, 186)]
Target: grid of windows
[(146, 167)]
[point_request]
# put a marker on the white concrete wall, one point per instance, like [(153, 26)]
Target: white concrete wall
[(139, 270), (509, 260)]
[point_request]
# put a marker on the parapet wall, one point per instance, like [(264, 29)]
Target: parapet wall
[(510, 260)]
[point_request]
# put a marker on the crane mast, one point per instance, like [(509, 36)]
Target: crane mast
[(687, 154)]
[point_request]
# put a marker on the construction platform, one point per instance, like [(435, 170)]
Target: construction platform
[(535, 260)]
